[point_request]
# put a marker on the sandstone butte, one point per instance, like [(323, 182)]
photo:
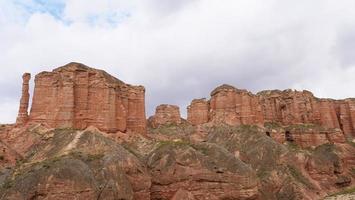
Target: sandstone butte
[(78, 96)]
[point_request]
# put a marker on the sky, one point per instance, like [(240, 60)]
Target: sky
[(182, 49)]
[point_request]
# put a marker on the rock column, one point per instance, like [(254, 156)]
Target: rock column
[(22, 116)]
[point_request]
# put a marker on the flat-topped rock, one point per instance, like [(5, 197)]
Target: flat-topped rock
[(78, 96), (165, 114)]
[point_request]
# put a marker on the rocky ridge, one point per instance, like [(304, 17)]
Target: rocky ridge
[(87, 137)]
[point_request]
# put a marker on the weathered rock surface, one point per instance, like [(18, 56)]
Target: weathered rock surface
[(198, 111), (165, 114), (234, 107), (290, 107), (286, 172), (206, 171), (232, 162), (284, 145), (286, 108), (78, 165), (78, 96), (22, 117)]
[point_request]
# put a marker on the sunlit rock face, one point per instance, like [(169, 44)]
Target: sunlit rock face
[(197, 111), (291, 107), (227, 105), (313, 121), (79, 96)]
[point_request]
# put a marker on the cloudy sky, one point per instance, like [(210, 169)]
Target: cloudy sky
[(182, 49)]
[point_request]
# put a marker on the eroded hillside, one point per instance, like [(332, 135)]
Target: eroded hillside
[(86, 137)]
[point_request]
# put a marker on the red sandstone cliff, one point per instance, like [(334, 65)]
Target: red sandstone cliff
[(227, 105), (79, 96), (291, 107), (236, 107), (198, 111), (286, 108)]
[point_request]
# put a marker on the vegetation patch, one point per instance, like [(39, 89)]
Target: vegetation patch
[(295, 173), (7, 184), (272, 125), (174, 143), (351, 142), (345, 191), (262, 173), (353, 170), (293, 146), (86, 157), (173, 129)]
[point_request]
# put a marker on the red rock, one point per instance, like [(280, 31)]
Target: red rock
[(165, 114), (175, 166), (197, 111), (22, 117), (286, 108), (234, 107), (346, 116), (308, 137), (183, 195), (294, 107), (79, 96), (291, 107)]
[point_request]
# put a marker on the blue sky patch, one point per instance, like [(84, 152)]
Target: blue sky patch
[(52, 7)]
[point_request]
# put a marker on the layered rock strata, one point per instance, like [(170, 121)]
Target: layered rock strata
[(291, 107), (198, 111), (165, 114), (79, 96), (233, 106), (227, 105)]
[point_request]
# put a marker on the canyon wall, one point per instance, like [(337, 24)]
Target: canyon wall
[(78, 96), (227, 105), (291, 107), (284, 108)]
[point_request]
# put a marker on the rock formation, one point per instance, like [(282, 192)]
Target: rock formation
[(236, 145), (165, 114), (78, 96), (294, 107), (227, 105), (212, 174), (234, 107), (22, 117), (198, 111), (287, 109)]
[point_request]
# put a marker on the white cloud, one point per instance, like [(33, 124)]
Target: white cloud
[(181, 50)]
